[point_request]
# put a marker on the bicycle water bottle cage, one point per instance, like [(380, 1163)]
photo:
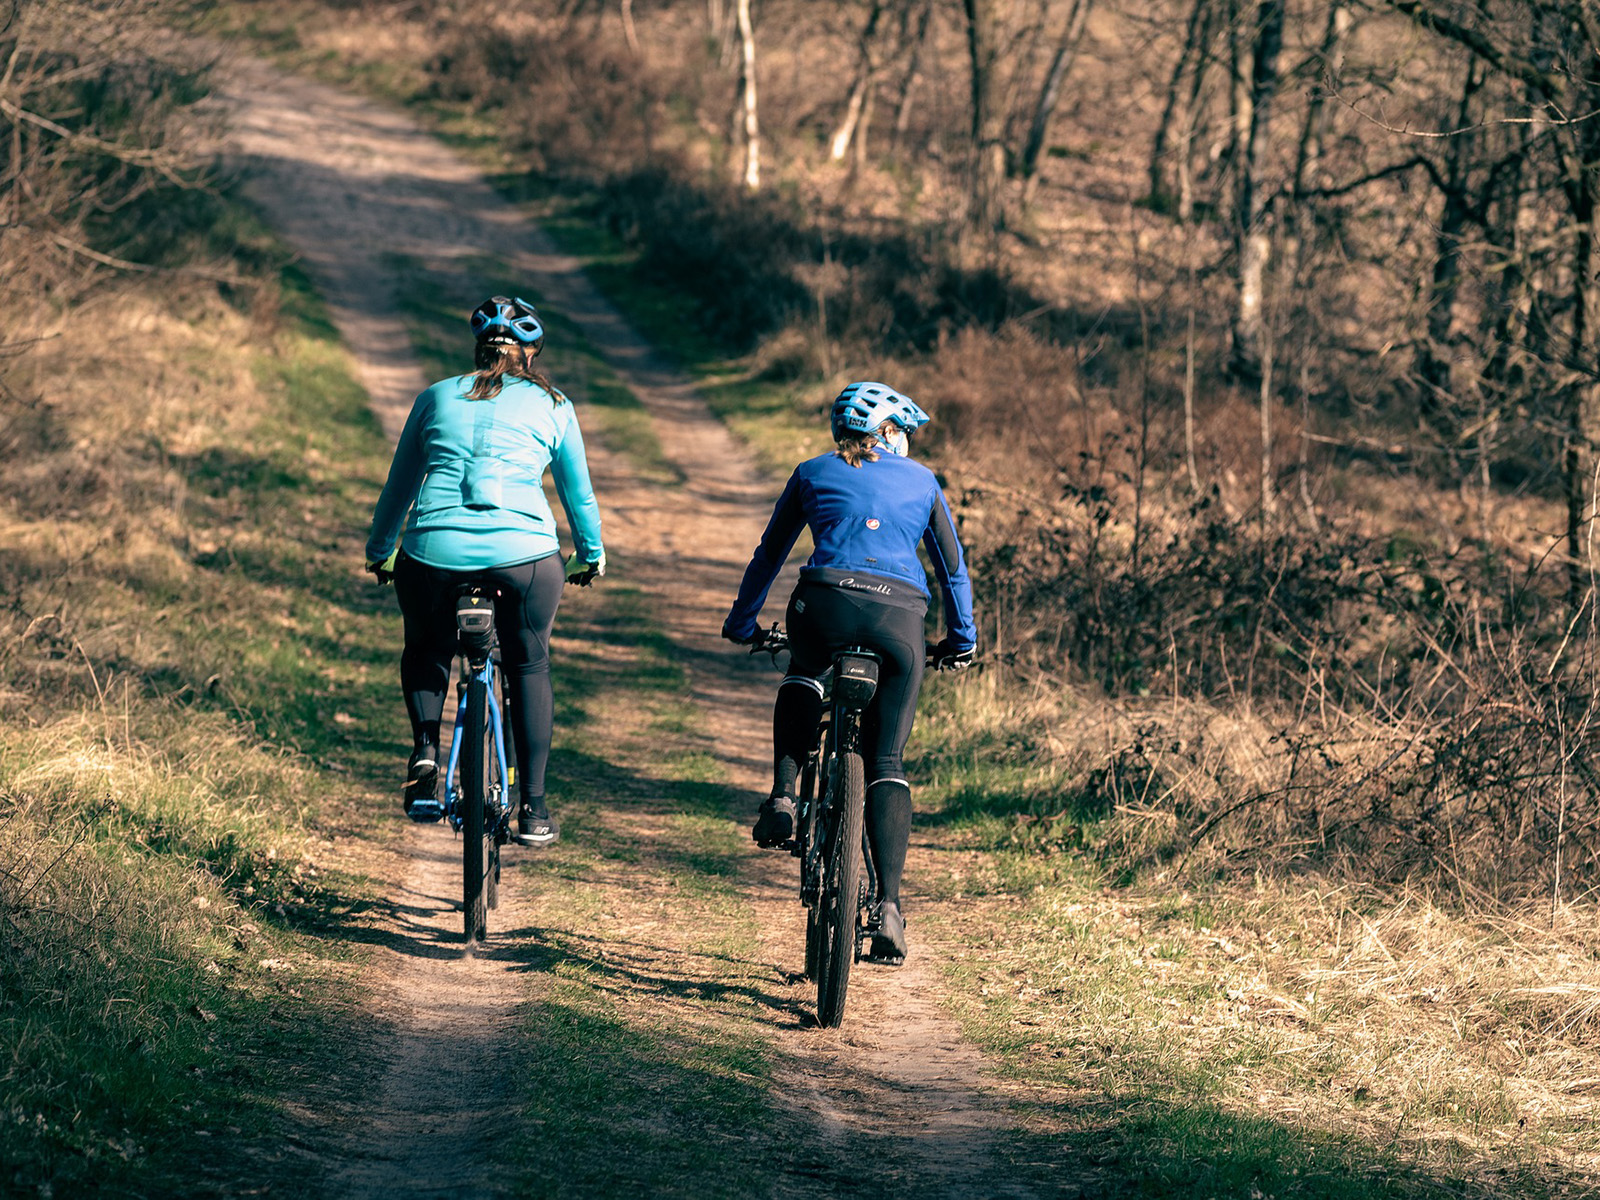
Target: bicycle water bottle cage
[(855, 679), (475, 623)]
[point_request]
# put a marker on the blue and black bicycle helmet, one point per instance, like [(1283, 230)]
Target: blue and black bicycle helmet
[(501, 320), (864, 407)]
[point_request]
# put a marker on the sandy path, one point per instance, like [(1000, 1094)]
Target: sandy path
[(349, 183)]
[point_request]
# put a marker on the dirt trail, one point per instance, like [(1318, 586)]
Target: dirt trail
[(351, 183)]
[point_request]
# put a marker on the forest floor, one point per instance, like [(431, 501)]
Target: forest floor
[(637, 1023)]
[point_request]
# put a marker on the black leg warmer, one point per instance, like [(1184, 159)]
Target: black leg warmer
[(889, 831)]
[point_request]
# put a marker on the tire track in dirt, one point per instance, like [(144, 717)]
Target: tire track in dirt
[(349, 183)]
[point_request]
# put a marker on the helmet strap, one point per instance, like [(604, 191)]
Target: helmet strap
[(895, 442)]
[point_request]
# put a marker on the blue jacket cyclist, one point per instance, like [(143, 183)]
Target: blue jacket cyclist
[(469, 469), (869, 507)]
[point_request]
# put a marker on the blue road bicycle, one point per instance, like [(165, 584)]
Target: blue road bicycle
[(477, 779)]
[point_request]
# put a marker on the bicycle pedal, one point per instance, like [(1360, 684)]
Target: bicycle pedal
[(426, 812)]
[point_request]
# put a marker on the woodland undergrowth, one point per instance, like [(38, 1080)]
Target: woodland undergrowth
[(1348, 663)]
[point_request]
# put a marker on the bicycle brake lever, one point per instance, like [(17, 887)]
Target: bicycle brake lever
[(773, 641)]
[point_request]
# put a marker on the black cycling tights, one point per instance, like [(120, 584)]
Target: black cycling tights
[(523, 615), (822, 619)]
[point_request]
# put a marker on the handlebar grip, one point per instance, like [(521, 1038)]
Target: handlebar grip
[(771, 641)]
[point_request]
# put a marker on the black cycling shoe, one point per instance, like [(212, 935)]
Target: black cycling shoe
[(422, 785), (535, 829), (888, 946), (775, 822)]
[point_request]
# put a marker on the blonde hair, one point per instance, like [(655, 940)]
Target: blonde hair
[(496, 360)]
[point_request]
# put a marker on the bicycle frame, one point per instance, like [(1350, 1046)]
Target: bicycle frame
[(490, 678), (816, 774), (477, 779)]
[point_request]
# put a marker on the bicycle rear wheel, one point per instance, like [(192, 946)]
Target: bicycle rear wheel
[(476, 837), (841, 896)]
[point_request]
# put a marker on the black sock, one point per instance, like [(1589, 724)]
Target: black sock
[(427, 736), (794, 731), (889, 831), (786, 772), (535, 805)]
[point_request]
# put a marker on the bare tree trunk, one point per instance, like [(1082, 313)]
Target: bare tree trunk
[(1252, 217), (1239, 106), (858, 157), (866, 73), (1334, 38), (718, 19), (988, 123), (752, 125), (1050, 93), (1578, 415), (1308, 162), (1269, 491), (628, 31), (913, 75), (1188, 376), (1434, 366), (1160, 194), (1194, 108)]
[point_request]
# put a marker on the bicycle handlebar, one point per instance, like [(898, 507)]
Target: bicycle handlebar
[(773, 641)]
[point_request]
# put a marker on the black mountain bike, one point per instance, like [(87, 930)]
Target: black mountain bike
[(477, 780), (838, 881)]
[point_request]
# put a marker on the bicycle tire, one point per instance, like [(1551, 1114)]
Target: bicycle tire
[(476, 753), (841, 899), (491, 847), (809, 806), (495, 833)]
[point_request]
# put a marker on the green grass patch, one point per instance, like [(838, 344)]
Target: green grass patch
[(637, 1050), (197, 690)]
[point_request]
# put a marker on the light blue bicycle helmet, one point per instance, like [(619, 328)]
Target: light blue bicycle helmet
[(505, 321), (863, 407)]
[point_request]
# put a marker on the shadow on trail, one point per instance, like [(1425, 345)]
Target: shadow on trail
[(1137, 1144), (632, 970)]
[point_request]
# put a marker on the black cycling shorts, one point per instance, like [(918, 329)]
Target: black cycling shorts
[(823, 619)]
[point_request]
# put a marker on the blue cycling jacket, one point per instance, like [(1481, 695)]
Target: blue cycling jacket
[(866, 521), (471, 473)]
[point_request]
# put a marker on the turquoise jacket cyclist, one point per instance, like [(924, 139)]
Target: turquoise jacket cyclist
[(469, 469), (470, 472)]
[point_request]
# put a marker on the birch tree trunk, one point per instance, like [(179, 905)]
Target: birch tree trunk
[(1252, 216), (752, 124), (865, 76)]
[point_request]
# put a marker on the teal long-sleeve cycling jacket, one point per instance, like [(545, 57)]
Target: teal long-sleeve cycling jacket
[(471, 474)]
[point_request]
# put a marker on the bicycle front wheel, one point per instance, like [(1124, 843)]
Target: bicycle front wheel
[(841, 894), (476, 755)]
